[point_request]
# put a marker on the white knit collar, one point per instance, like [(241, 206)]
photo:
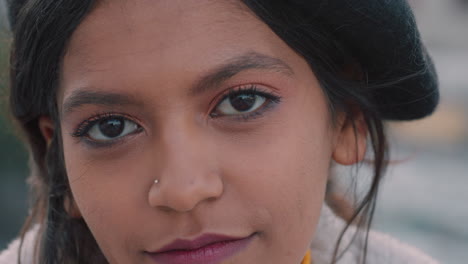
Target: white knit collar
[(382, 249)]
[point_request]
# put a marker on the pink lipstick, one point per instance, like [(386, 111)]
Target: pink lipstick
[(206, 249)]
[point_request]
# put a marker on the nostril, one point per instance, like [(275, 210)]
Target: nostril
[(166, 209), (212, 199)]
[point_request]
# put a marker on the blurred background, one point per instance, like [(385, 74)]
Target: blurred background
[(424, 199)]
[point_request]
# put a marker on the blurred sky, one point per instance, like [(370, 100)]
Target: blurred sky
[(424, 200)]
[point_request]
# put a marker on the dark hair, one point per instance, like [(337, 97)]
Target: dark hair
[(42, 29)]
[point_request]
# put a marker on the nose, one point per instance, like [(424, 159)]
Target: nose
[(188, 176)]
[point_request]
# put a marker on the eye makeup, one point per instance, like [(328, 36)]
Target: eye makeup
[(247, 91), (118, 126), (109, 128)]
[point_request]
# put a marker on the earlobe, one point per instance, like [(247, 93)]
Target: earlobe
[(71, 208), (350, 146), (47, 128)]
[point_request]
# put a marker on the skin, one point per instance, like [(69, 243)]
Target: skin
[(224, 174)]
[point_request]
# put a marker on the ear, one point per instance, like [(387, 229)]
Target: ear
[(71, 208), (47, 128), (350, 144)]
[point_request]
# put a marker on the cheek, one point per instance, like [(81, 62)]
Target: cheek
[(107, 195), (283, 170)]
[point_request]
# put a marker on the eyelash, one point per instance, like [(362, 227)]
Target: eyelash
[(84, 127), (271, 100), (82, 130)]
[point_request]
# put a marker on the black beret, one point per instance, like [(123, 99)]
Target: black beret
[(382, 35)]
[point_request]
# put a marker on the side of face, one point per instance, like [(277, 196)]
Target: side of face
[(143, 97)]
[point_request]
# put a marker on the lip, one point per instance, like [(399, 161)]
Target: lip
[(206, 249)]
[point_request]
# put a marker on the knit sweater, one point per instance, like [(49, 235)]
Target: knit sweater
[(382, 249)]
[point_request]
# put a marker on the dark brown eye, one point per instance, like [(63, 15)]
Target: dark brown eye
[(111, 128), (243, 102)]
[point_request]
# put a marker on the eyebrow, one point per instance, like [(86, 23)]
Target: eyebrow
[(250, 60), (86, 96), (208, 82)]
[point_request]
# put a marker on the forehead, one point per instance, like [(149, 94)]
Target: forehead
[(170, 21), (145, 37)]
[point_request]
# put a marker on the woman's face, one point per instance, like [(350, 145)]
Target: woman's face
[(203, 97)]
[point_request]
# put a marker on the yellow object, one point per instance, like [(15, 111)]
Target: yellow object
[(307, 258)]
